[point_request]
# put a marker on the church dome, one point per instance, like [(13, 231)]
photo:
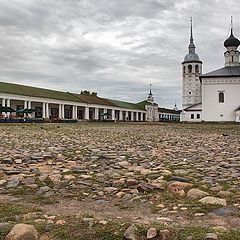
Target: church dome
[(231, 41), (191, 57)]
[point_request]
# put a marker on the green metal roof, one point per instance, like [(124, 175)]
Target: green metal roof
[(93, 99), (23, 90), (128, 105), (36, 92)]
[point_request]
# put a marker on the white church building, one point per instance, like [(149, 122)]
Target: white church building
[(214, 96)]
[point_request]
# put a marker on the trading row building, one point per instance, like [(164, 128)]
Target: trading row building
[(21, 103)]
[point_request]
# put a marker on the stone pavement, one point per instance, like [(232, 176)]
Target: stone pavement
[(166, 173)]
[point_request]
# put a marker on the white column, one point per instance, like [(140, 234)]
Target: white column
[(63, 115), (120, 115), (25, 106), (137, 117), (96, 113), (3, 102), (43, 110), (76, 107), (29, 107), (74, 112), (141, 117), (132, 116), (8, 105), (86, 117), (113, 114), (47, 110), (59, 111)]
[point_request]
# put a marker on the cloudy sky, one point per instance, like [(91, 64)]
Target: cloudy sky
[(113, 47)]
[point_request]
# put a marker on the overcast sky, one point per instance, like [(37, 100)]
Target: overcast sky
[(113, 47)]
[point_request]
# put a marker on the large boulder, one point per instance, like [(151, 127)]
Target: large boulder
[(165, 234), (152, 234), (178, 186), (213, 201), (196, 194), (130, 233), (211, 236), (22, 232)]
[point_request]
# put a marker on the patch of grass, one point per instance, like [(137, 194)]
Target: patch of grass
[(9, 211), (4, 231), (87, 215), (49, 182), (62, 232), (112, 230), (43, 200), (121, 205), (22, 191), (141, 230), (230, 235), (225, 185), (197, 233)]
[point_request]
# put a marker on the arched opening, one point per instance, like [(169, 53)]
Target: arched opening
[(221, 97), (192, 116), (196, 69), (190, 68), (184, 69), (198, 116)]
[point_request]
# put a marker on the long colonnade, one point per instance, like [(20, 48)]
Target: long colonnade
[(59, 109)]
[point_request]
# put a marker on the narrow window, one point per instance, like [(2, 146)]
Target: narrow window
[(198, 116), (197, 69), (232, 58), (189, 68), (221, 97), (184, 69), (192, 116)]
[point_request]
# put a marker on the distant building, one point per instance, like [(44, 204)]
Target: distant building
[(214, 96), (62, 106)]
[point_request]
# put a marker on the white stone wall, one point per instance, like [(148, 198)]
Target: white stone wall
[(212, 109), (152, 113), (191, 91), (186, 116), (191, 88), (238, 116)]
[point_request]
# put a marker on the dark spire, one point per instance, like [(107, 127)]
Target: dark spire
[(191, 46), (231, 41), (150, 93)]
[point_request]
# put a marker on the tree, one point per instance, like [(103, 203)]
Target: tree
[(88, 93)]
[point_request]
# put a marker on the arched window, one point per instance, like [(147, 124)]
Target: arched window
[(221, 97), (198, 116), (196, 69), (189, 68), (232, 58), (184, 69), (192, 116)]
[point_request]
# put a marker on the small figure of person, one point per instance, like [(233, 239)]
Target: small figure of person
[(5, 117)]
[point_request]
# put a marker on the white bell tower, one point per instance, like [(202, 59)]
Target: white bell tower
[(191, 69), (232, 54)]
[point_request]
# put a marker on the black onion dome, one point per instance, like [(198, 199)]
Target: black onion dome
[(231, 41)]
